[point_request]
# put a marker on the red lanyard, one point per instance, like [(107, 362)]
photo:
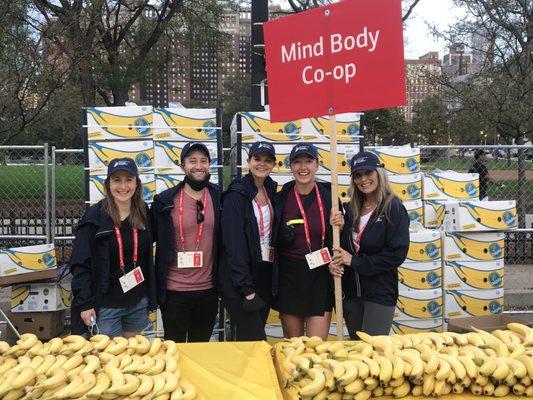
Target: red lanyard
[(359, 233), (261, 220), (121, 248), (304, 216), (200, 225)]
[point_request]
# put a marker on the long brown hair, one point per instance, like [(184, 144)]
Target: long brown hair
[(137, 215), (385, 196)]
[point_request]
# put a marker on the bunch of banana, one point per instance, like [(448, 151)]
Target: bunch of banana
[(76, 368)]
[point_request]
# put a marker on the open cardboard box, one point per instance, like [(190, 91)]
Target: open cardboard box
[(487, 323)]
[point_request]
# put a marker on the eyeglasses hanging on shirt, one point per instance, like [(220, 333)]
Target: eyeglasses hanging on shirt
[(199, 212)]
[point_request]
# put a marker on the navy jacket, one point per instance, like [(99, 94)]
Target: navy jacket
[(163, 234), (241, 248), (373, 273), (89, 263)]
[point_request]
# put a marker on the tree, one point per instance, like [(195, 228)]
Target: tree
[(429, 123), (235, 97), (387, 125)]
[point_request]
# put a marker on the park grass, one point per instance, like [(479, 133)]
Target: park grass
[(465, 163)]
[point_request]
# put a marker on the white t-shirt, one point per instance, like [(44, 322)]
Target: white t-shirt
[(265, 210), (362, 222)]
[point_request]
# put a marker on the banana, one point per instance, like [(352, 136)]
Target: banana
[(36, 362), (125, 360), (518, 367), (383, 343), (27, 341), (58, 376), (469, 365), (363, 348), (493, 342), (450, 350), (444, 370), (158, 367), (371, 383), (502, 335), (36, 350), (316, 386), (4, 347), (92, 363), (416, 391), (323, 395), (474, 339), (117, 378), (456, 365), (440, 387), (488, 367), (363, 395), (22, 362), (8, 365), (132, 345), (100, 341), (5, 386), (47, 363), (510, 380), (102, 384), (526, 381), (176, 394), (428, 385), (501, 371), (171, 347), (528, 363), (136, 362), (73, 343), (432, 362), (398, 367), (75, 383), (155, 347), (349, 375), (56, 345), (363, 370), (529, 391), (88, 382), (396, 382), (457, 338), (314, 358), (525, 331), (355, 386), (488, 389), (302, 363), (417, 366), (73, 362), (388, 391), (402, 390), (171, 364), (108, 359), (372, 364), (159, 384), (335, 366), (171, 382), (457, 388), (131, 384), (189, 391), (481, 380), (466, 382), (385, 371), (145, 387), (24, 378), (148, 364), (117, 346), (405, 339), (501, 391), (519, 389), (328, 374), (143, 344), (14, 394), (49, 393)]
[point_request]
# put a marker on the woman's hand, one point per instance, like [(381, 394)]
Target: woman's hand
[(336, 269), (86, 316), (336, 218), (341, 256)]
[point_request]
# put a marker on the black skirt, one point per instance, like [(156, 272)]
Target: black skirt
[(303, 291)]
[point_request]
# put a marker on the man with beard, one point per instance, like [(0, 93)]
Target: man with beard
[(186, 222)]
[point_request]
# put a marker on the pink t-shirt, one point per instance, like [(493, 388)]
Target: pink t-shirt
[(189, 279)]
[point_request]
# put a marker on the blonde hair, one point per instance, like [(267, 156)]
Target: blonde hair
[(385, 196), (137, 217)]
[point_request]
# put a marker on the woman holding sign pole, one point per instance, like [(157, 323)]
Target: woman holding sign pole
[(113, 282), (303, 240), (373, 246), (245, 272)]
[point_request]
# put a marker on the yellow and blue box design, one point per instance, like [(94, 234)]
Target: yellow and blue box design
[(119, 123), (450, 185), (415, 210), (40, 297), (185, 124), (398, 159), (407, 187), (21, 260), (419, 304), (416, 326), (101, 153), (475, 216), (421, 275), (97, 190), (473, 303), (473, 275), (434, 211), (424, 245), (475, 246)]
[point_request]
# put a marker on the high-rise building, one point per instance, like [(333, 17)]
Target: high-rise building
[(419, 84), (458, 62)]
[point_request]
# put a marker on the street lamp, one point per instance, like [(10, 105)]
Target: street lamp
[(485, 139), (497, 139), (419, 139), (481, 136)]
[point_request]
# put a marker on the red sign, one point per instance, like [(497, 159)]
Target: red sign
[(343, 57)]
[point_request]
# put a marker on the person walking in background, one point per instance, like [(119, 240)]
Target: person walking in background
[(373, 244), (113, 282), (245, 272), (481, 169), (303, 237), (186, 225)]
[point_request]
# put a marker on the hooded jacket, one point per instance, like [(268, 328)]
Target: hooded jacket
[(163, 234), (241, 247)]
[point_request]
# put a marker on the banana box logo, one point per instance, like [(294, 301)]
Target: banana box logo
[(451, 185), (475, 246), (101, 153), (20, 260), (346, 127), (167, 181), (398, 159), (467, 216), (420, 275), (424, 246), (168, 154), (414, 304), (467, 303), (416, 326), (185, 124), (37, 297), (114, 123), (97, 188), (257, 126), (415, 210), (406, 187), (472, 275), (434, 211)]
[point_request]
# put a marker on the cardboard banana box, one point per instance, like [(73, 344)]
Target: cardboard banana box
[(37, 297), (434, 213), (416, 326), (418, 304), (97, 190), (168, 154), (185, 124), (422, 275), (424, 245), (407, 187), (474, 216), (466, 303), (450, 185), (475, 246), (164, 181), (398, 159), (472, 275), (415, 210), (101, 153), (119, 123), (22, 260)]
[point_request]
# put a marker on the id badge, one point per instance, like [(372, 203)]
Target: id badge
[(267, 253), (131, 279), (190, 259), (318, 258)]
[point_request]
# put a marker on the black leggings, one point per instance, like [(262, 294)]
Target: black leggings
[(371, 318)]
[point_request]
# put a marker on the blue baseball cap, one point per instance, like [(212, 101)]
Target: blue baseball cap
[(194, 146), (262, 147), (307, 149), (364, 161), (122, 164)]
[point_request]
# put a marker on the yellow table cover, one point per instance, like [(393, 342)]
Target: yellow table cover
[(230, 370)]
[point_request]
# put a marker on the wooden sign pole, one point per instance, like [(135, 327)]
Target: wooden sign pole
[(336, 232)]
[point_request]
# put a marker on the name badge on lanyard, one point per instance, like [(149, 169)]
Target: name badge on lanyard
[(267, 252), (134, 277), (321, 256), (190, 259)]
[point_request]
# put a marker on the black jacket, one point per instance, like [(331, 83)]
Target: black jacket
[(163, 234), (241, 247), (373, 273), (89, 263)]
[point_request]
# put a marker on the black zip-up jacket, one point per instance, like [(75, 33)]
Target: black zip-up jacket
[(89, 263), (163, 234), (241, 247), (373, 273)]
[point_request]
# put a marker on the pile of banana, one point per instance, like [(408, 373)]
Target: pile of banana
[(423, 364), (99, 368)]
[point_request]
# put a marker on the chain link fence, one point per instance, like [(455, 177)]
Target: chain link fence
[(510, 170)]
